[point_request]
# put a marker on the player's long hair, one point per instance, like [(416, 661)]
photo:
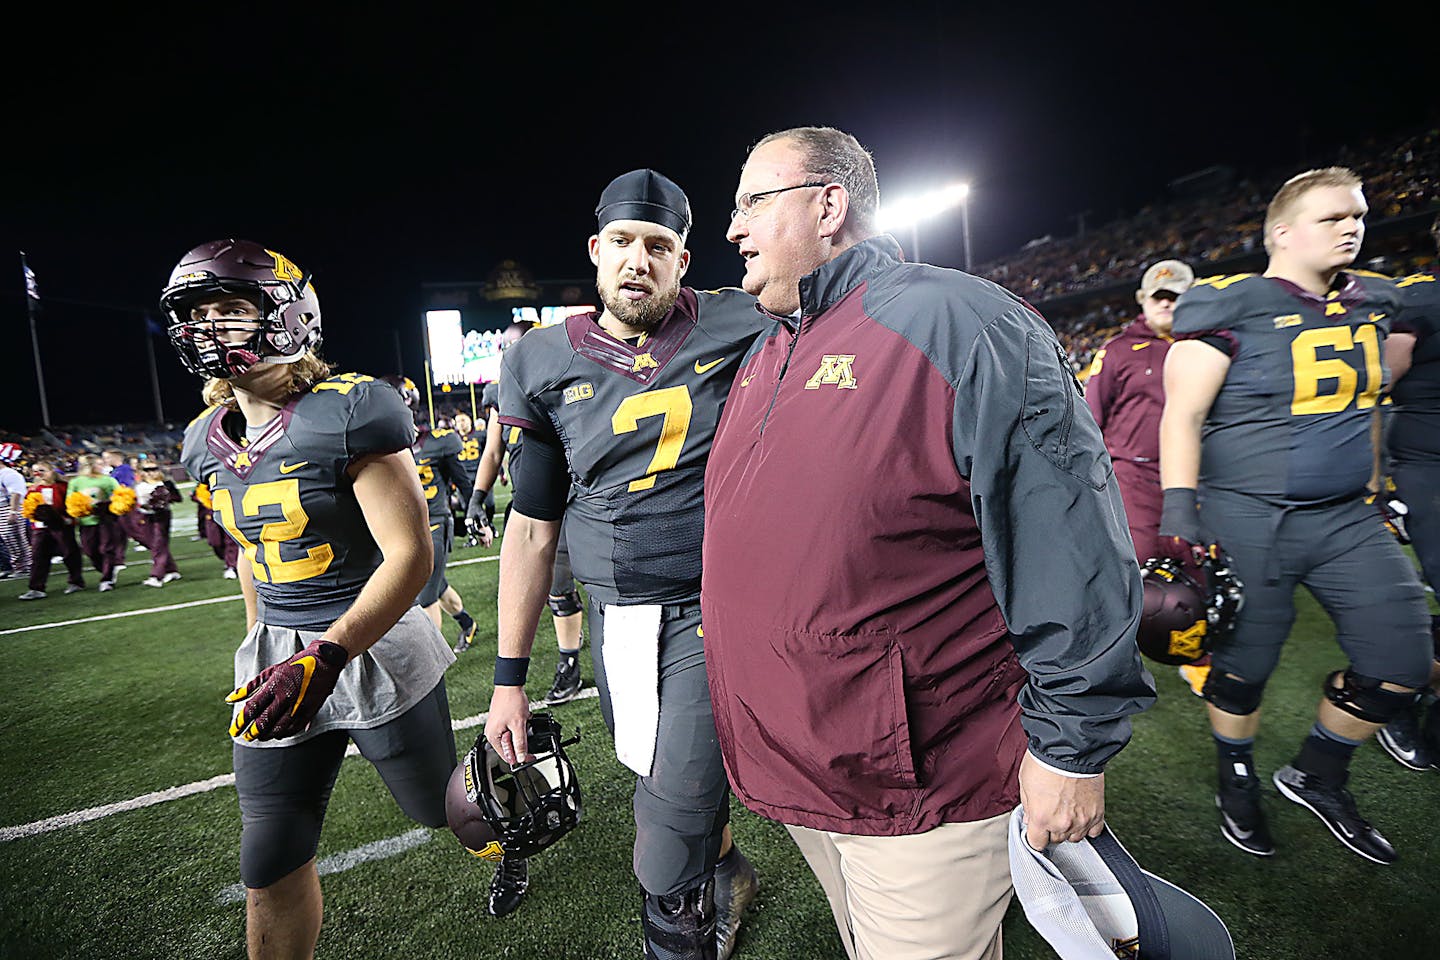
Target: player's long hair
[(304, 374)]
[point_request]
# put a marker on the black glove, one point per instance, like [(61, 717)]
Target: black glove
[(1180, 536)]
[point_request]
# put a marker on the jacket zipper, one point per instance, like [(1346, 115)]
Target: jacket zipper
[(774, 396)]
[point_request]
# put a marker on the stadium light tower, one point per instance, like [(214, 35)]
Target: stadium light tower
[(910, 211)]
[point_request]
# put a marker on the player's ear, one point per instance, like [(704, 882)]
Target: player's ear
[(1140, 297), (594, 248), (684, 263)]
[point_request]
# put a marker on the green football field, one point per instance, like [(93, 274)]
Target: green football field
[(119, 827)]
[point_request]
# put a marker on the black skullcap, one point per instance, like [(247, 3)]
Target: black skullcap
[(644, 195)]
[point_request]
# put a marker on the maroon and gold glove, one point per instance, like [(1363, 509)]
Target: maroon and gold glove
[(281, 700)]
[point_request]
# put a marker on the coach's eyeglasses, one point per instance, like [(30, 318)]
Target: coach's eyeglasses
[(745, 206)]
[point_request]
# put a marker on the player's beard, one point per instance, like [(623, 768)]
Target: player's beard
[(644, 314)]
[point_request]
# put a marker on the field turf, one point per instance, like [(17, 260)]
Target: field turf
[(108, 711)]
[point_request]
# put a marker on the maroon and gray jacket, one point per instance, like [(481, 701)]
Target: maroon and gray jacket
[(905, 492), (1126, 392)]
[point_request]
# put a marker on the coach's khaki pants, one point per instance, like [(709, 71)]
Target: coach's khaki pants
[(938, 895)]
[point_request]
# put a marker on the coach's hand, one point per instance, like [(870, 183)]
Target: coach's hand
[(281, 700), (505, 727), (1059, 809)]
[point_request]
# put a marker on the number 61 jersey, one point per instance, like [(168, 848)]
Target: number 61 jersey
[(1291, 423), (286, 499), (636, 421)]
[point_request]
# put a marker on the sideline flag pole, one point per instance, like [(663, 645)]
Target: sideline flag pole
[(32, 305)]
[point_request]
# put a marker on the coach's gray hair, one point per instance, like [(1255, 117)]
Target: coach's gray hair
[(837, 157)]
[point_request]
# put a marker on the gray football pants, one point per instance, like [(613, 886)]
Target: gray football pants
[(1419, 486), (683, 806), (1353, 567)]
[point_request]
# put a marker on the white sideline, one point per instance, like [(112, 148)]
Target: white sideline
[(75, 817), (181, 606), (340, 862)]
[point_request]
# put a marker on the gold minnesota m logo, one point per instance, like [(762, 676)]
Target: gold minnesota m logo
[(643, 361), (1187, 643), (834, 368)]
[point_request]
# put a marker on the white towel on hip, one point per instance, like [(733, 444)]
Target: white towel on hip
[(631, 650)]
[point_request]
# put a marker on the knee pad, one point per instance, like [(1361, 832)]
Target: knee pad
[(1232, 695), (1364, 698), (680, 926), (565, 604)]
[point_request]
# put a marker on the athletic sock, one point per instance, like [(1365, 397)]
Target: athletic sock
[(1326, 754), (466, 621), (1237, 757)]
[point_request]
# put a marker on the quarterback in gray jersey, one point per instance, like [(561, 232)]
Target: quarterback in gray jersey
[(618, 411), (1270, 393), (312, 476)]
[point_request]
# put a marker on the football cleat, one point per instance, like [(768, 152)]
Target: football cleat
[(1401, 739), (508, 886), (1335, 807), (1242, 820), (736, 885), (680, 926), (567, 682)]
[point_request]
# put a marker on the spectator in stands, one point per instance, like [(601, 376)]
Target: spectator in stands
[(51, 534), (154, 494)]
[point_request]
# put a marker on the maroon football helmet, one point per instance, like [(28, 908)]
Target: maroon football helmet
[(497, 810), (1182, 620), (289, 308)]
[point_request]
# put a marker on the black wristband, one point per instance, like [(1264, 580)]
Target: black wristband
[(1178, 515), (511, 671)]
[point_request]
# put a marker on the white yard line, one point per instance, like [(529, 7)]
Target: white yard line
[(199, 786), (180, 606)]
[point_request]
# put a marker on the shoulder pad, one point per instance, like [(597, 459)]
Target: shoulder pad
[(202, 415), (1222, 281), (1414, 279), (343, 384)]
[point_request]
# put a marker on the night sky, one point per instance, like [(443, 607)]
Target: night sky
[(382, 150)]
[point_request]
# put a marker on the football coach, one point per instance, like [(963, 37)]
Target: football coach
[(919, 592)]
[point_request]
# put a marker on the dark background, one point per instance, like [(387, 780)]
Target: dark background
[(386, 148)]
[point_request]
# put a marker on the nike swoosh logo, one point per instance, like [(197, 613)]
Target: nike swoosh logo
[(1235, 827), (1376, 317), (746, 381), (1138, 346), (701, 368), (291, 467), (308, 665)]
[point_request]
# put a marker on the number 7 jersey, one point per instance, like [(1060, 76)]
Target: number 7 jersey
[(286, 498), (1291, 423), (636, 421)]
